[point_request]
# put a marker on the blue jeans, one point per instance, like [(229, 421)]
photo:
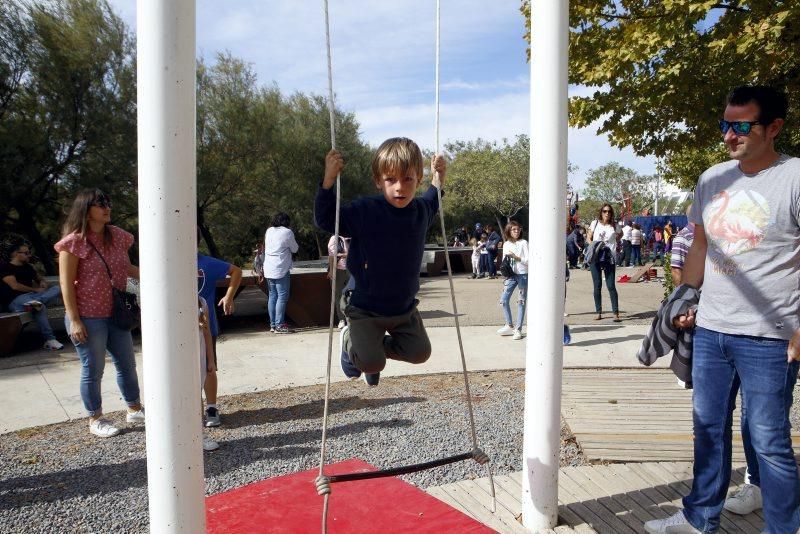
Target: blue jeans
[(509, 284), (608, 272), (102, 336), (278, 297), (721, 364), (636, 255), (18, 305)]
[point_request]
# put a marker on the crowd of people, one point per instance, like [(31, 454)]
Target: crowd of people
[(745, 324)]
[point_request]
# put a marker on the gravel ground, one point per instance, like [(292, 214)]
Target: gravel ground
[(59, 478)]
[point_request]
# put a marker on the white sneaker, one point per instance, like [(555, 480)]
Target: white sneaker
[(53, 344), (209, 444), (341, 324), (135, 417), (744, 501), (506, 330), (674, 524), (35, 304), (103, 428), (517, 334)]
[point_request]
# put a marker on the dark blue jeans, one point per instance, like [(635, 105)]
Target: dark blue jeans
[(721, 364), (609, 271)]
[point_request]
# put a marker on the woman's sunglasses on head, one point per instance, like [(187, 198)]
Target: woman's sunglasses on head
[(101, 202), (739, 127)]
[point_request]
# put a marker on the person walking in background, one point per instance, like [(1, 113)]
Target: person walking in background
[(657, 237), (515, 248), (668, 235), (483, 262), (636, 246), (575, 243), (206, 362), (90, 249), (209, 272), (603, 259), (625, 257), (680, 247), (337, 259), (21, 287), (492, 244), (279, 245)]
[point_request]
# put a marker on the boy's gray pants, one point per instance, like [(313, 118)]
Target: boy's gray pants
[(369, 346)]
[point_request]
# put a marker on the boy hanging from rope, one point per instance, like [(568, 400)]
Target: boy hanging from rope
[(387, 234)]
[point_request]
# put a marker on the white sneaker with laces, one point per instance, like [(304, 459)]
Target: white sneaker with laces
[(745, 500), (674, 524), (209, 444), (517, 334), (53, 344), (135, 417), (35, 304), (103, 428), (506, 330)]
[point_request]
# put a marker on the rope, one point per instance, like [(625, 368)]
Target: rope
[(325, 490), (450, 272), (323, 482)]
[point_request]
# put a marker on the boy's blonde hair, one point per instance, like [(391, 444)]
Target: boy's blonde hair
[(397, 155)]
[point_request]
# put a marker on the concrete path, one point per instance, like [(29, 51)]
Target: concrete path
[(39, 388)]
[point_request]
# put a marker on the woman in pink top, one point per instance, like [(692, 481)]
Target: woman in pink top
[(86, 290)]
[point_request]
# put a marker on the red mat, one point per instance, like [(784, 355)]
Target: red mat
[(290, 504)]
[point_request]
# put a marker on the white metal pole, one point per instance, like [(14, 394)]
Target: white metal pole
[(168, 246), (544, 352), (658, 184)]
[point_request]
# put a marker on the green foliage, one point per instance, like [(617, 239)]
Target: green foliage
[(489, 177), (682, 168), (67, 116), (668, 282), (613, 182), (662, 69)]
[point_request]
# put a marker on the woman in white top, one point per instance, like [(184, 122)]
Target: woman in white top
[(279, 245), (516, 249), (603, 229)]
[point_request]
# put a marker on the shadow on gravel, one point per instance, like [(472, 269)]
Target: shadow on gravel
[(232, 454), (310, 410), (590, 342)]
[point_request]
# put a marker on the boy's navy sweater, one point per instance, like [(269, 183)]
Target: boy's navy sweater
[(386, 246)]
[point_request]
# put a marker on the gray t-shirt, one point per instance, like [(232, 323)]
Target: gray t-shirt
[(752, 270)]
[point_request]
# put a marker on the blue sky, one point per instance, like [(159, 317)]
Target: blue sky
[(383, 65)]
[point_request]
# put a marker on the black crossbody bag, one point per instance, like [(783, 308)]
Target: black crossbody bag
[(125, 312)]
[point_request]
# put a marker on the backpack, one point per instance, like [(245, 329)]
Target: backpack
[(505, 267)]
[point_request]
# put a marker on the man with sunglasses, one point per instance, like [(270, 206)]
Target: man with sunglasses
[(746, 257), (23, 289)]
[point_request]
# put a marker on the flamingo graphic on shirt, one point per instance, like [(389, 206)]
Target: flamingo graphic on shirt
[(736, 220)]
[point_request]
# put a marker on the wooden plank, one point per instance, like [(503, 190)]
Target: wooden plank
[(601, 518), (474, 506), (620, 512), (445, 497), (505, 515), (592, 478)]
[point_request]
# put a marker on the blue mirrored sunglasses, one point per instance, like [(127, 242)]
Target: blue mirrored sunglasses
[(739, 127)]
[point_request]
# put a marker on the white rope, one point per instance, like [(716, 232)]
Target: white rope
[(323, 487), (450, 269)]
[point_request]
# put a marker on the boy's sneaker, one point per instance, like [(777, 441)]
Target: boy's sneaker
[(474, 276), (271, 329), (350, 371), (135, 417), (517, 334), (372, 379), (674, 524), (209, 444), (53, 344), (744, 501), (283, 328), (212, 416), (103, 428), (506, 330)]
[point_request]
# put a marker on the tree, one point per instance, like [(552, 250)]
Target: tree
[(619, 186), (67, 115), (488, 176), (662, 69)]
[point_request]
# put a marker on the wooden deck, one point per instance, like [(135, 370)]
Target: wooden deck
[(607, 499), (633, 415)]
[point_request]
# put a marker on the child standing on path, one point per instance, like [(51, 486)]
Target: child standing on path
[(387, 242), (206, 363)]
